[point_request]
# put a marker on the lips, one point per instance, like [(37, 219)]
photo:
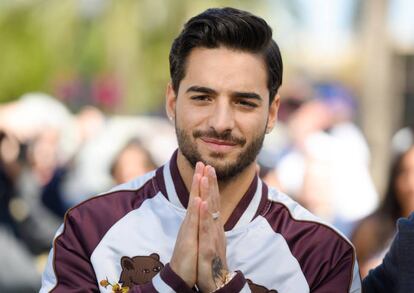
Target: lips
[(218, 145), (218, 141)]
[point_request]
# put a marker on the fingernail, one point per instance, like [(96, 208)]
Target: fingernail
[(199, 167)]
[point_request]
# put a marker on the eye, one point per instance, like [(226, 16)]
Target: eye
[(145, 271), (156, 269), (246, 104), (201, 98)]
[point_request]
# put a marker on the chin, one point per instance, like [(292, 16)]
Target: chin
[(221, 158)]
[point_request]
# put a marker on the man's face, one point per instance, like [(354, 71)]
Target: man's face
[(222, 109)]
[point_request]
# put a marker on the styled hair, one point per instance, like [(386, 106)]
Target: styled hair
[(231, 28)]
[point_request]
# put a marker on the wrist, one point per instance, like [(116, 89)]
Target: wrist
[(224, 280), (173, 280)]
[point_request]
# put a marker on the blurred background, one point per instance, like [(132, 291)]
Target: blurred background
[(82, 108)]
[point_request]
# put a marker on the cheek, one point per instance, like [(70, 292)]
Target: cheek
[(253, 125), (399, 186), (404, 188), (187, 116)]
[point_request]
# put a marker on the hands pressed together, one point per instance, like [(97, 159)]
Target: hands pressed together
[(199, 256)]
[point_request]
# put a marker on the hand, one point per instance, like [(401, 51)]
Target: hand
[(212, 264), (184, 259)]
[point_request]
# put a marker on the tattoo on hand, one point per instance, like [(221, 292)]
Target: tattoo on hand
[(217, 270)]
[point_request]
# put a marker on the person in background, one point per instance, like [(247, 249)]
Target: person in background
[(19, 272), (396, 272), (327, 164), (373, 234), (132, 161)]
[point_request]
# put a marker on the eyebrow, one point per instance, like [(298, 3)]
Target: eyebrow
[(247, 95), (206, 90), (201, 89)]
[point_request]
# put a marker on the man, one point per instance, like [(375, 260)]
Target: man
[(205, 221)]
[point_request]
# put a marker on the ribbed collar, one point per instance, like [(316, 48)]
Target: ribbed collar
[(173, 188)]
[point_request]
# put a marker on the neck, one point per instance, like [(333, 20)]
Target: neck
[(231, 191)]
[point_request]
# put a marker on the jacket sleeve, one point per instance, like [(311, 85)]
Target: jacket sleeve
[(343, 275), (396, 273), (69, 268), (169, 282)]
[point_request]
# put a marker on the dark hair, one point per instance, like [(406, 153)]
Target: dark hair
[(136, 143), (232, 28), (391, 206), (378, 228)]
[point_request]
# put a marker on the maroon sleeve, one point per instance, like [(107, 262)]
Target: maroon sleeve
[(174, 281), (71, 263), (326, 258), (178, 284), (339, 277), (84, 227), (74, 271)]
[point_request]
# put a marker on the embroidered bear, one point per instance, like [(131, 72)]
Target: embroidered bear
[(139, 270), (259, 289)]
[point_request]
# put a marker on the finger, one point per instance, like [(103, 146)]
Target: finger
[(205, 170), (199, 168), (193, 203), (204, 188), (214, 193), (195, 186), (204, 193), (189, 227), (194, 213), (204, 225)]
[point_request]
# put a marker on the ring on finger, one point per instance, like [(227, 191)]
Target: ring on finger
[(215, 215)]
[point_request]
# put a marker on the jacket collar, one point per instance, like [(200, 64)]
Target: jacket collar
[(249, 207)]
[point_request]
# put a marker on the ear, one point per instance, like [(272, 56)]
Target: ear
[(127, 263), (170, 101), (155, 256), (273, 109)]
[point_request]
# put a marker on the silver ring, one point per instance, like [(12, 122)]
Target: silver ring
[(215, 215)]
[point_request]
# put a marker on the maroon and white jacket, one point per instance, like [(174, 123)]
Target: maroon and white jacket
[(127, 237)]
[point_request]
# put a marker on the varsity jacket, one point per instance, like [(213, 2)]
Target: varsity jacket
[(125, 239)]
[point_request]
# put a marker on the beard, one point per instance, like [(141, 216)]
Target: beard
[(225, 170)]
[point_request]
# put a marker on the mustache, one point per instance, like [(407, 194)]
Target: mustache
[(225, 135)]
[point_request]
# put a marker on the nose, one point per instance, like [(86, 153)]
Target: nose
[(222, 116)]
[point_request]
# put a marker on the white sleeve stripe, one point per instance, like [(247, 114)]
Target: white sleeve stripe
[(49, 280), (245, 289), (356, 282), (160, 285)]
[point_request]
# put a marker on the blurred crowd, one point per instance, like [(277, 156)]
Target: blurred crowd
[(51, 159)]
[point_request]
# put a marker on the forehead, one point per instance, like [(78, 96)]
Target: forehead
[(225, 69)]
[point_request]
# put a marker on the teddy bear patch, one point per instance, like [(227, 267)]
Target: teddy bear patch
[(255, 288), (139, 270)]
